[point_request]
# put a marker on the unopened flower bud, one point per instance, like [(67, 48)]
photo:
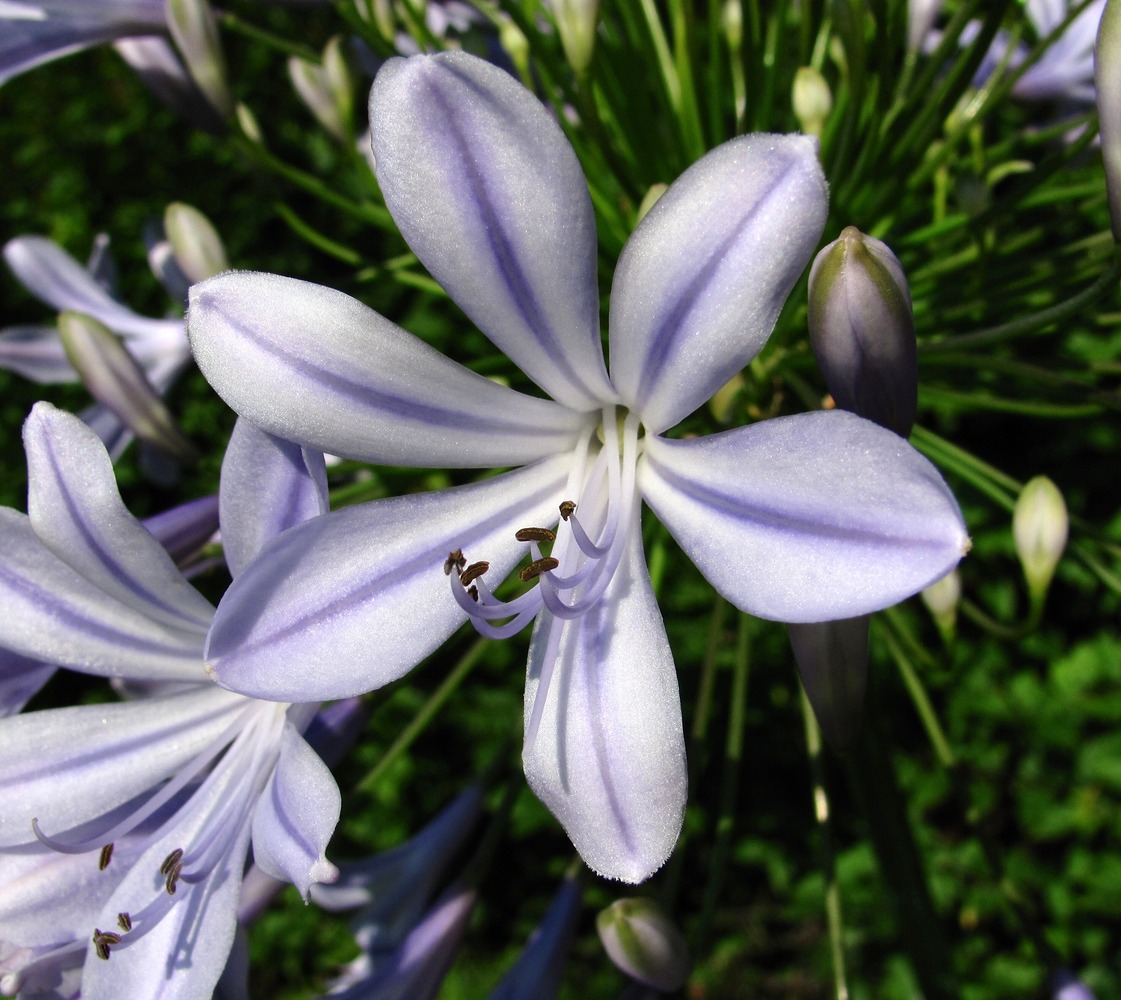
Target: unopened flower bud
[(642, 941), (1107, 79), (194, 29), (327, 89), (942, 599), (576, 24), (197, 247), (649, 200), (1039, 529), (862, 331), (812, 100)]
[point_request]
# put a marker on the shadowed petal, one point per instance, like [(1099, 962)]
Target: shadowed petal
[(832, 659), (488, 193), (266, 487), (703, 278), (806, 518), (36, 353), (76, 510), (312, 365), (350, 601), (609, 756), (49, 612), (296, 816), (65, 766), (20, 678)]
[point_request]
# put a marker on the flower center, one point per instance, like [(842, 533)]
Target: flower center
[(585, 544)]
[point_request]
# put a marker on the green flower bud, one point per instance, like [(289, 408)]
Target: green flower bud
[(576, 23), (198, 248), (942, 599), (1039, 529), (642, 941), (862, 331), (326, 88), (812, 100), (195, 31), (1107, 79)]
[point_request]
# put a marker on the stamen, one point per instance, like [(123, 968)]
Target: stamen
[(473, 591), (473, 572), (567, 509), (537, 567), (173, 877), (171, 861), (124, 921), (535, 535), (103, 941), (106, 855), (455, 560)]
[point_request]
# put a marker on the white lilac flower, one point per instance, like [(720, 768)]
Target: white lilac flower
[(179, 780), (805, 518), (159, 346)]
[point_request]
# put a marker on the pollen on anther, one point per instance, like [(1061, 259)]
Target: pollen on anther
[(537, 567), (103, 940), (473, 572), (173, 877), (124, 921), (535, 535), (171, 861), (106, 855), (455, 560), (567, 509)]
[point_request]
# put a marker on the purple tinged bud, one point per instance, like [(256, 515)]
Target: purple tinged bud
[(1107, 80), (1039, 528), (642, 941), (862, 331)]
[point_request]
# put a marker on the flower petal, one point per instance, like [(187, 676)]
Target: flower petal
[(806, 518), (312, 365), (49, 612), (609, 756), (350, 601), (52, 275), (296, 816), (266, 487), (76, 510), (65, 766), (186, 528), (488, 193), (36, 353), (703, 278), (20, 678)]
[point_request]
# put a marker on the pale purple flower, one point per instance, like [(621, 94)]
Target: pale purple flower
[(805, 518), (183, 778), (1065, 71), (159, 346)]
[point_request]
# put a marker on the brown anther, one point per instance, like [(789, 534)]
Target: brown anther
[(535, 535), (473, 591), (103, 941), (455, 560), (124, 921), (106, 855), (171, 860), (473, 572), (537, 567), (567, 509), (173, 877)]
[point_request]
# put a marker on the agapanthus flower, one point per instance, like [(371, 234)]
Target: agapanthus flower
[(804, 518), (158, 346), (182, 778)]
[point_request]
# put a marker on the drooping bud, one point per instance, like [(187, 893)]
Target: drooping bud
[(115, 379), (194, 30), (197, 247), (327, 89), (1107, 80), (812, 100), (576, 24), (832, 660), (942, 599), (642, 941), (1039, 529), (862, 331)]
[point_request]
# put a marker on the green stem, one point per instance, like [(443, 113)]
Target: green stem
[(232, 22), (428, 711)]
